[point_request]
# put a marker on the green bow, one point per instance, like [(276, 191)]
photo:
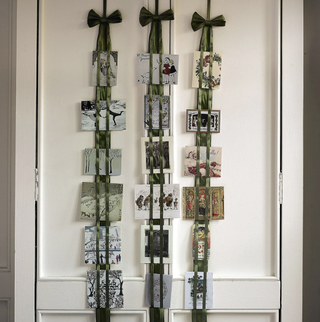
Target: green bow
[(94, 19), (198, 22), (146, 16)]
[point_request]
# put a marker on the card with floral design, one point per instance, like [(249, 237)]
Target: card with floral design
[(216, 70), (166, 287), (190, 161)]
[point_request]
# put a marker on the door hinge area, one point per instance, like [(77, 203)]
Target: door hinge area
[(36, 184), (280, 188)]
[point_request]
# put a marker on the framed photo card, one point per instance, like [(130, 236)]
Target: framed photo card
[(216, 202), (155, 112), (103, 72), (169, 69), (171, 201), (167, 154), (145, 244), (192, 121), (190, 161), (216, 70)]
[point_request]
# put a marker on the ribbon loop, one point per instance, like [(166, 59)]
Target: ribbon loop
[(198, 22), (146, 16), (94, 19)]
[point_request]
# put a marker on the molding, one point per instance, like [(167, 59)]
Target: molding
[(42, 313)]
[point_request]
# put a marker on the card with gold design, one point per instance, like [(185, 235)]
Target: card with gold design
[(216, 203)]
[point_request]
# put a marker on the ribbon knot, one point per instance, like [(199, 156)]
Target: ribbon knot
[(146, 16), (94, 19), (198, 22)]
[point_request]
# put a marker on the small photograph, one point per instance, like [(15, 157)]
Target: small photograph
[(169, 69), (114, 162), (171, 201), (115, 289), (166, 287), (167, 145), (117, 115), (216, 202), (90, 255), (201, 241), (190, 161), (100, 78), (192, 121), (196, 288), (88, 201), (155, 112), (216, 70), (166, 247)]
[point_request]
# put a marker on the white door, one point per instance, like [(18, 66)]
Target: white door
[(246, 246)]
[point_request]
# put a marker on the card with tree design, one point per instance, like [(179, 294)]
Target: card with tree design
[(155, 112), (115, 289), (88, 201), (114, 162)]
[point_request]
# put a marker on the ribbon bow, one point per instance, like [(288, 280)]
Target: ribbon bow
[(146, 16), (198, 22), (94, 19)]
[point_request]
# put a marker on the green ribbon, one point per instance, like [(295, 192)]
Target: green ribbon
[(199, 22), (146, 16), (103, 140), (203, 139), (94, 19)]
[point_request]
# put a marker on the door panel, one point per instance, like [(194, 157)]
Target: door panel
[(245, 245)]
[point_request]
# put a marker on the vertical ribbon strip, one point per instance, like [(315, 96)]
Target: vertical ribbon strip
[(203, 139)]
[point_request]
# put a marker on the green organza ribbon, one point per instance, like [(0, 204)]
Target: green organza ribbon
[(155, 47), (199, 22), (94, 19), (203, 139), (146, 16), (103, 141)]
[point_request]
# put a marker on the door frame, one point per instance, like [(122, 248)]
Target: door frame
[(25, 102)]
